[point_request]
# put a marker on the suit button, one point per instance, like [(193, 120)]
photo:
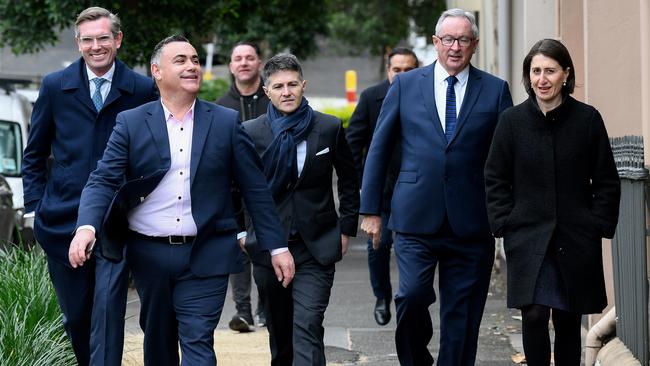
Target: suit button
[(560, 250)]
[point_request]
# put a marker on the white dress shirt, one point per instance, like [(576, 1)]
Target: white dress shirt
[(106, 86), (301, 155), (167, 210), (440, 76)]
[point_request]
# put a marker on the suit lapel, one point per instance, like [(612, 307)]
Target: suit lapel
[(312, 145), (75, 80), (266, 133), (123, 81), (155, 120), (427, 86), (202, 123), (472, 92)]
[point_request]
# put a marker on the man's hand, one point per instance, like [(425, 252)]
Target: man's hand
[(242, 244), (345, 242), (371, 225), (81, 247), (284, 267)]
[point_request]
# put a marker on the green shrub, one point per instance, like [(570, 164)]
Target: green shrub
[(344, 113), (212, 90), (31, 332)]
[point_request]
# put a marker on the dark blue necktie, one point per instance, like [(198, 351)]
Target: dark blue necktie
[(450, 108)]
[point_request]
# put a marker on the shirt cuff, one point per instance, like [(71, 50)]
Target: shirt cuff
[(241, 235), (30, 214), (277, 251), (86, 227)]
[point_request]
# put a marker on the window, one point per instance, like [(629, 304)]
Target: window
[(11, 149)]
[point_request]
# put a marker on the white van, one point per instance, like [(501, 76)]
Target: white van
[(15, 114)]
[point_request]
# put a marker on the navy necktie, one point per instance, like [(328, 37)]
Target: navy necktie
[(450, 108), (97, 95)]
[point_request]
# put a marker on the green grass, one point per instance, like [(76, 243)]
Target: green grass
[(31, 332), (211, 90), (344, 113)]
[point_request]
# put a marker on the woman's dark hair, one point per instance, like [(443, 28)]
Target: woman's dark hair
[(558, 52)]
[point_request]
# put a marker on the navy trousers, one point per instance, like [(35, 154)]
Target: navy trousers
[(176, 305), (109, 309), (379, 262), (464, 267), (92, 299)]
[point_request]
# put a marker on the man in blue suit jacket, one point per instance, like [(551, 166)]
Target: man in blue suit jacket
[(179, 156), (72, 120), (445, 115)]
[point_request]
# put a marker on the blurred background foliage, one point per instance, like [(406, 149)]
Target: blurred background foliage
[(372, 26), (212, 90)]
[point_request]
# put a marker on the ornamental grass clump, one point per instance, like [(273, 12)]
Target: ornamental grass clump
[(31, 332)]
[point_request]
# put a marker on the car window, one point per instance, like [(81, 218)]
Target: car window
[(10, 149)]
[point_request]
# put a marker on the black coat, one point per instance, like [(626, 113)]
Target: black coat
[(553, 189), (255, 107), (309, 204), (359, 135)]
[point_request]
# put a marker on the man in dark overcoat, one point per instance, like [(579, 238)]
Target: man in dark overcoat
[(73, 118), (359, 135)]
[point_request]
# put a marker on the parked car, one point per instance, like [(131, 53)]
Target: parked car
[(15, 114), (7, 214)]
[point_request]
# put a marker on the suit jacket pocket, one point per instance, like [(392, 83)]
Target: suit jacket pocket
[(407, 176)]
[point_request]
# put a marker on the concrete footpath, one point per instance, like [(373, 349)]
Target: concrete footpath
[(351, 335)]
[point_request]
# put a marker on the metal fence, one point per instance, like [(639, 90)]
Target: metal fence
[(629, 248)]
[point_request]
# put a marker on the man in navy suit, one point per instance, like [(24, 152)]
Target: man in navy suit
[(359, 135), (179, 156), (72, 120), (445, 115)]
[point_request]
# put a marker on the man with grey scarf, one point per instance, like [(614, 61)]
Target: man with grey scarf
[(300, 148)]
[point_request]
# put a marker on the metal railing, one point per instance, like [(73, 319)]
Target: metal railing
[(629, 248)]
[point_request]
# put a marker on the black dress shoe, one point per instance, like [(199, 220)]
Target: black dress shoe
[(382, 311), (242, 323)]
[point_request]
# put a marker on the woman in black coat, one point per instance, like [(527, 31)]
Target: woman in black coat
[(552, 194)]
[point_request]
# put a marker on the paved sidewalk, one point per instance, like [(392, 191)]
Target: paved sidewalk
[(351, 335)]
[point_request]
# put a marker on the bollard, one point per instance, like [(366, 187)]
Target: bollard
[(351, 86)]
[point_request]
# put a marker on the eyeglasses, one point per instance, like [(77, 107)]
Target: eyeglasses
[(102, 40), (449, 41)]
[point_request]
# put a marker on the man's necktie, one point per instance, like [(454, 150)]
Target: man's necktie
[(97, 95), (450, 109)]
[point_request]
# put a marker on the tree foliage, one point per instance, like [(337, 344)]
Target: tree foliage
[(377, 25), (145, 23), (27, 26), (277, 25)]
